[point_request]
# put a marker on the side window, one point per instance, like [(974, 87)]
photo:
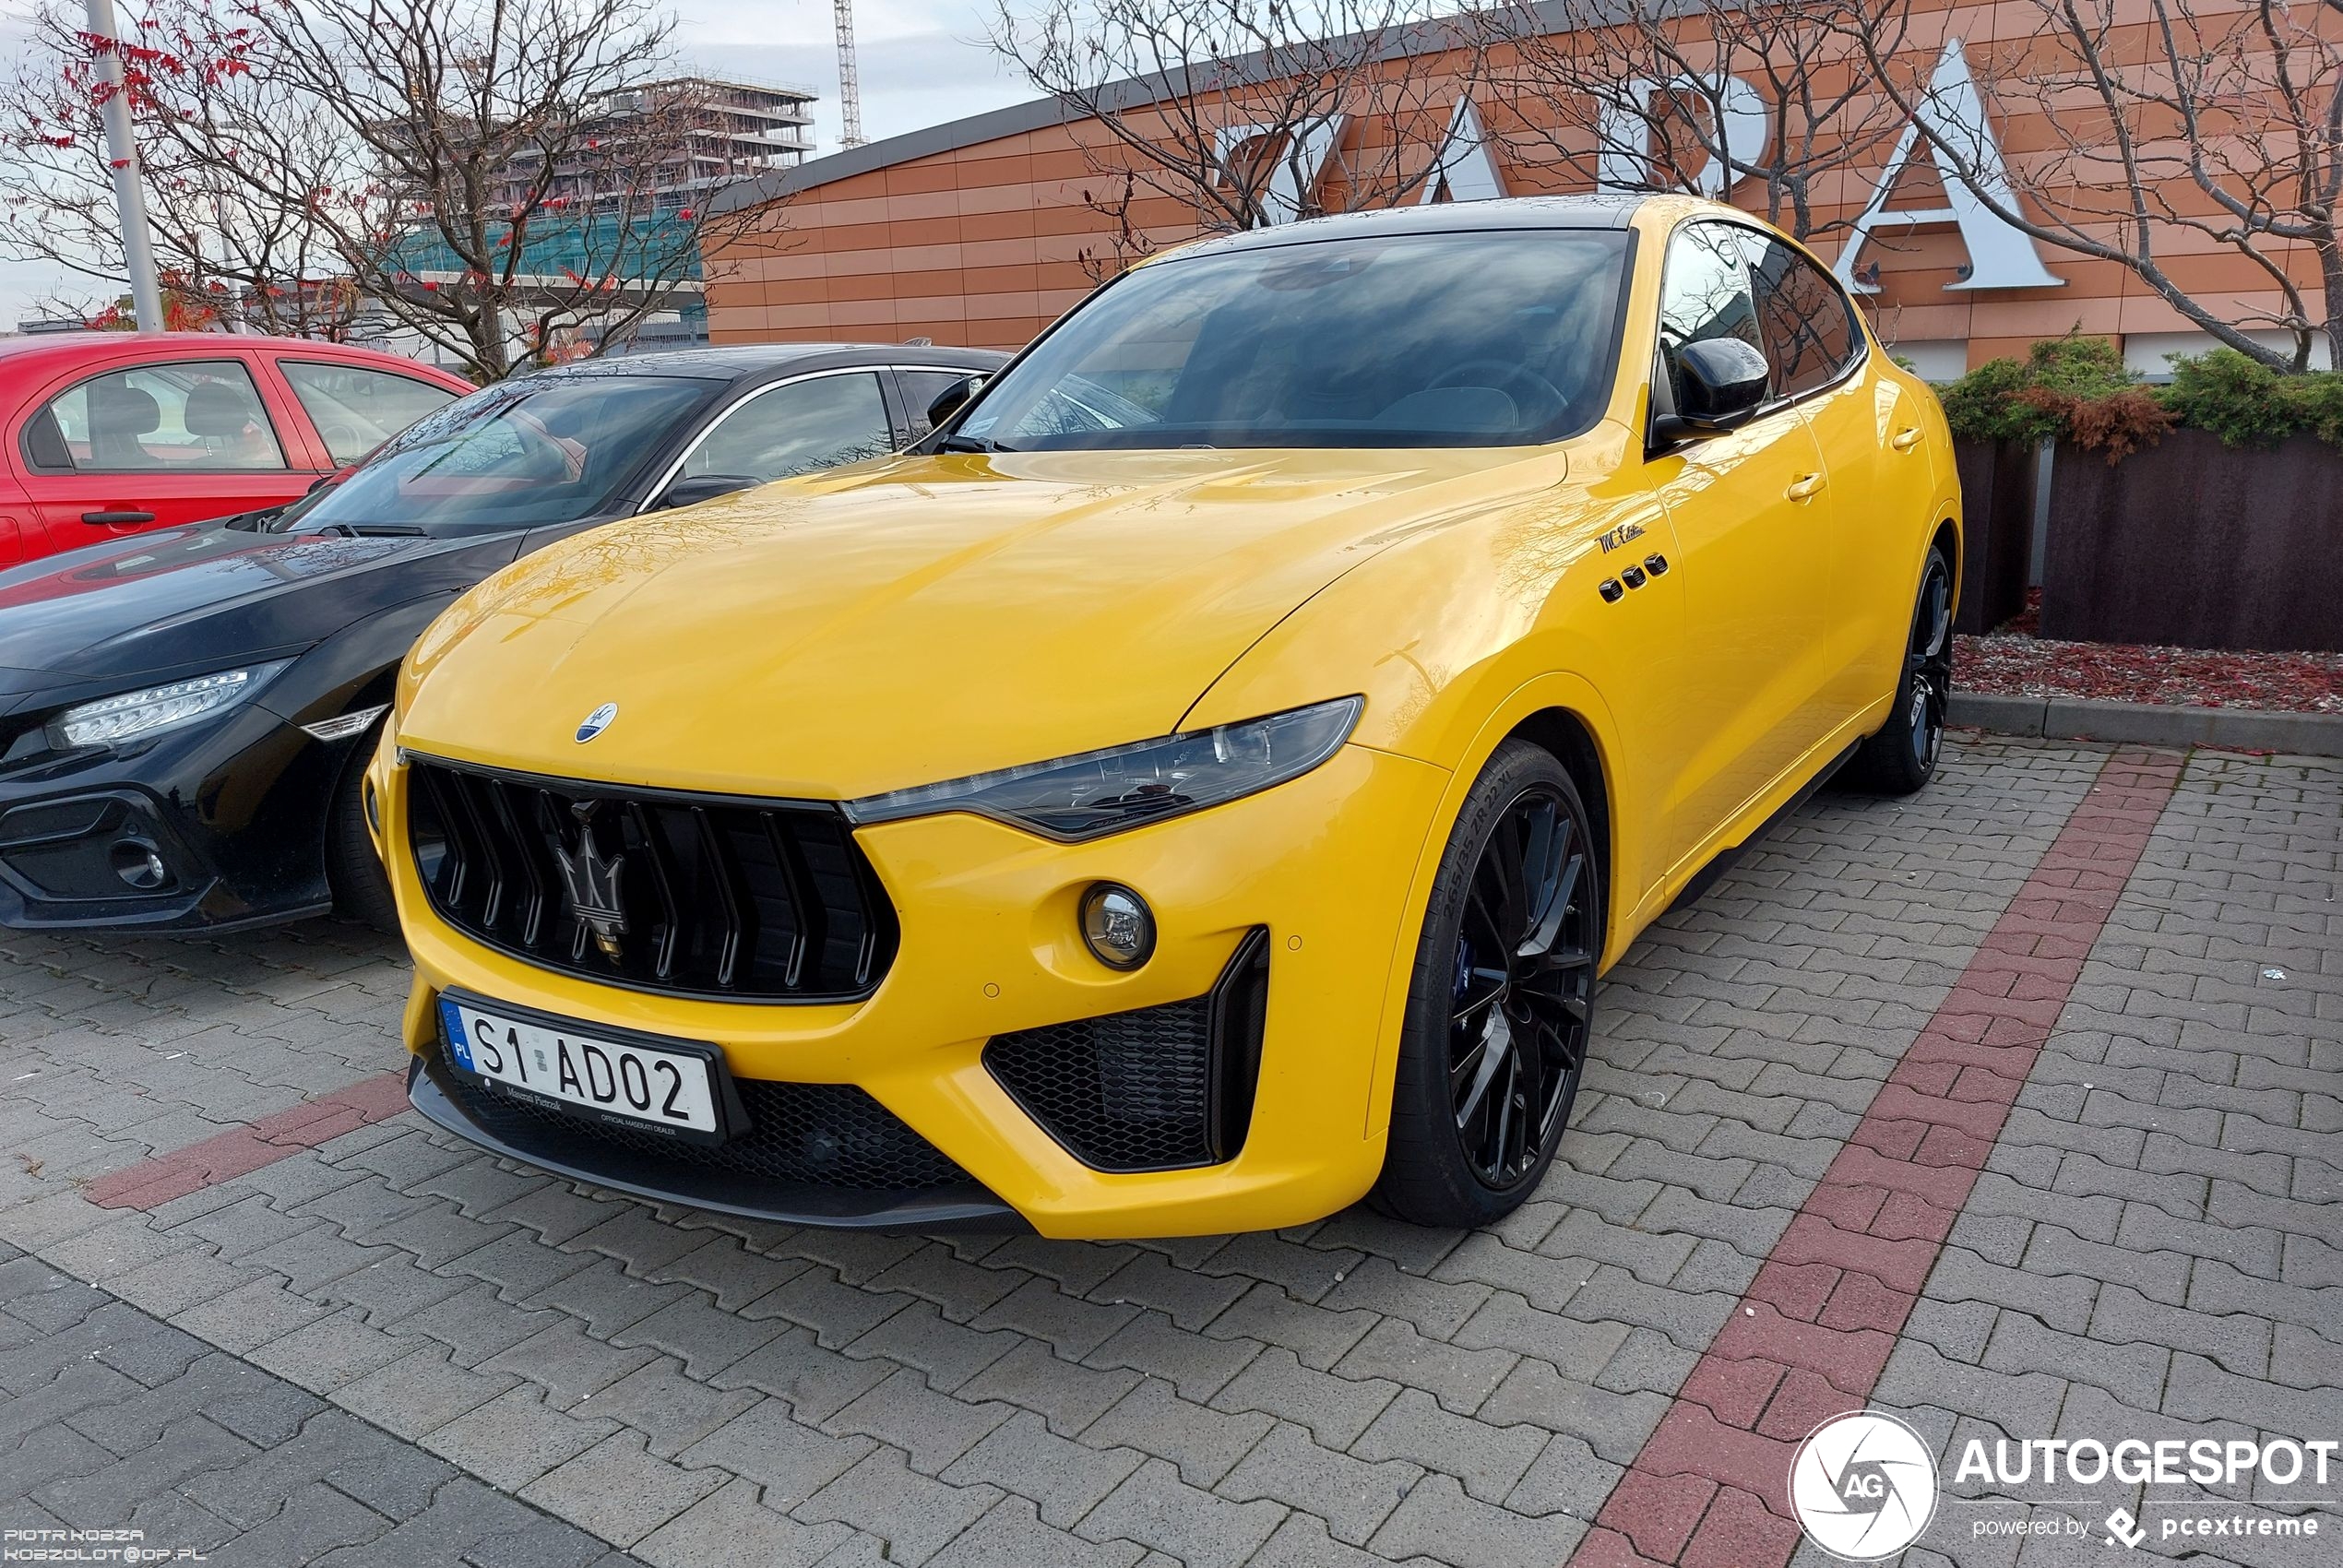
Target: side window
[(189, 416), (356, 409), (1704, 293), (921, 387), (1810, 332), (798, 428)]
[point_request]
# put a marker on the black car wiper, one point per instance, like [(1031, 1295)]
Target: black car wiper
[(373, 531), (970, 443)]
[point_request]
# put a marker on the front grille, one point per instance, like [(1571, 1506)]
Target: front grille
[(800, 1136), (1155, 1088), (717, 896)]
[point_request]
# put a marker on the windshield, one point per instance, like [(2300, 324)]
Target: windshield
[(539, 450), (1462, 340)]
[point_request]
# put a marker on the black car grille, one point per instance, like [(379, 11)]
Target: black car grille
[(831, 1136), (1155, 1088), (716, 896)]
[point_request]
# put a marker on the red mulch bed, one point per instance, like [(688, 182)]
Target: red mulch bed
[(2011, 661)]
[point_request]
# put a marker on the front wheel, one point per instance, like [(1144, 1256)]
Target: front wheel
[(1501, 1004), (1902, 756)]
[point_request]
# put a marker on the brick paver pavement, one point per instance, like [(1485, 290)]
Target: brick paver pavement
[(319, 1326)]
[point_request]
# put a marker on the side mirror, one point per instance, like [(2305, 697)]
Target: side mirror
[(952, 400), (1724, 381), (702, 487)]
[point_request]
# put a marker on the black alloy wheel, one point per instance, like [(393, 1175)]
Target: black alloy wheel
[(1524, 980), (1501, 1005), (1902, 755)]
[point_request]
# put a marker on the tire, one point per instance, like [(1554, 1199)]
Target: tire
[(1902, 757), (1489, 1059), (360, 887)]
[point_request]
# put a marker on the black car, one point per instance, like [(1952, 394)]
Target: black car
[(184, 714)]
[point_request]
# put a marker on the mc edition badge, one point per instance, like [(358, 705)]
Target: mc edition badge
[(1864, 1486)]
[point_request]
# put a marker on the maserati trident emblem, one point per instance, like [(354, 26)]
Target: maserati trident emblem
[(597, 722), (591, 883)]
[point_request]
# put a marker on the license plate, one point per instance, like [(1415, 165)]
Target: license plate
[(627, 1080)]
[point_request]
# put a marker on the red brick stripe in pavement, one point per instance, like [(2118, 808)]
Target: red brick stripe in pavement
[(1710, 1487), (245, 1149)]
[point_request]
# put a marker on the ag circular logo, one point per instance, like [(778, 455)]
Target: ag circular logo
[(597, 722), (1863, 1485)]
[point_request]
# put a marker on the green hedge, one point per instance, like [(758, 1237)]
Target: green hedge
[(2076, 389)]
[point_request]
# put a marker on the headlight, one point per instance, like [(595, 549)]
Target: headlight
[(134, 715), (1101, 793)]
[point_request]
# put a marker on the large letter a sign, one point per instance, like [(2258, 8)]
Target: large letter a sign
[(1999, 255)]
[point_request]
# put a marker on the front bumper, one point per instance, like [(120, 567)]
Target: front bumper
[(233, 811), (990, 946)]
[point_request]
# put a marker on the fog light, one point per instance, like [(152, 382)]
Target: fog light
[(139, 865), (1118, 925)]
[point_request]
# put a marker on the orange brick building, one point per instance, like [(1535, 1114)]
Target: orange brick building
[(981, 231)]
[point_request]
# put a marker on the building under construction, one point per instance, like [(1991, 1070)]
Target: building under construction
[(707, 131)]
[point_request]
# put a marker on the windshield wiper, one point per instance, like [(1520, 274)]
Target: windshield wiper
[(970, 443), (372, 530)]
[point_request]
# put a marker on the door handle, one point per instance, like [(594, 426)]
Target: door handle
[(105, 519), (1906, 439), (1805, 486)]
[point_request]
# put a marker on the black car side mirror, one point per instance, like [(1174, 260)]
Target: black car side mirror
[(702, 487), (1724, 381), (952, 400)]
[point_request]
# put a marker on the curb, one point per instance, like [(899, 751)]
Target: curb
[(2071, 719)]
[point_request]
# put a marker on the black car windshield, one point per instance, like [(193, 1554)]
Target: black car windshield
[(1490, 339), (542, 449)]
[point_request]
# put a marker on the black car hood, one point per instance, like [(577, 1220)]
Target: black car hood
[(205, 597)]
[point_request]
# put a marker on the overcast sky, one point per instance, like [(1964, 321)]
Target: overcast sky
[(923, 62)]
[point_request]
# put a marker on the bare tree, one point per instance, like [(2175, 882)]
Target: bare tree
[(1701, 95), (1248, 113), (489, 174), (2167, 124)]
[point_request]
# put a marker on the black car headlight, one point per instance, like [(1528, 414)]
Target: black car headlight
[(1123, 786), (152, 710)]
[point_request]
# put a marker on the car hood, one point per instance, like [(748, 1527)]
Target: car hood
[(188, 599), (918, 619)]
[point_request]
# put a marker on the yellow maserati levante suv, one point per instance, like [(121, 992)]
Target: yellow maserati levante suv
[(1198, 785)]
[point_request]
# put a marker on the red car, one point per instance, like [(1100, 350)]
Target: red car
[(109, 432)]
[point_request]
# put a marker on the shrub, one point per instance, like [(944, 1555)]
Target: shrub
[(1994, 401), (2240, 399), (2321, 397), (2118, 424), (1982, 405), (2076, 389)]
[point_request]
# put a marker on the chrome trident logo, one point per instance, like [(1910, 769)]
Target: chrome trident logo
[(597, 722), (593, 884)]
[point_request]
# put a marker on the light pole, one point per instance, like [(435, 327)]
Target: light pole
[(122, 153)]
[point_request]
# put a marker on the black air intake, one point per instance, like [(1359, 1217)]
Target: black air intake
[(1155, 1088)]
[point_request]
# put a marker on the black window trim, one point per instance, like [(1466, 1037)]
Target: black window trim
[(33, 465), (911, 416), (1855, 363)]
